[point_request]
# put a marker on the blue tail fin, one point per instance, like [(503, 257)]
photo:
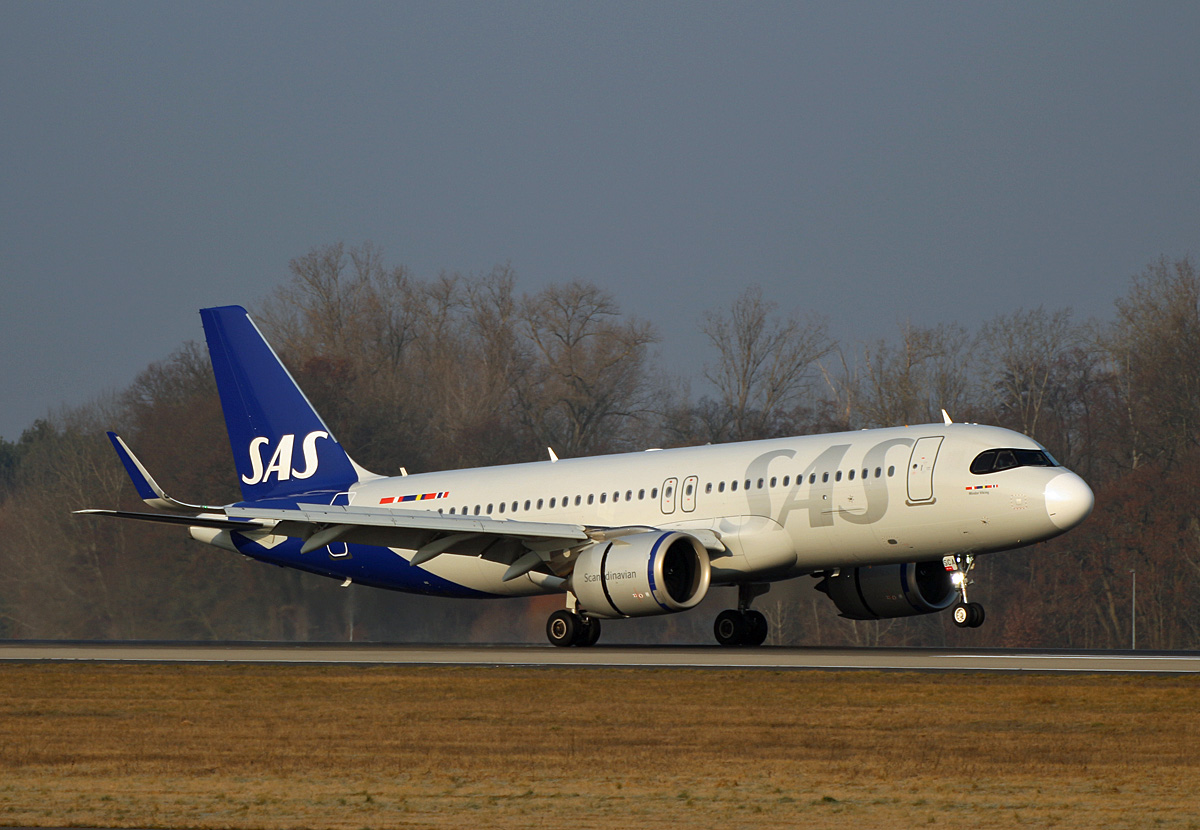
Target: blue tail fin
[(280, 444)]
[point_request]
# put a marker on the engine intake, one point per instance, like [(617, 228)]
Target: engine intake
[(879, 592), (642, 575)]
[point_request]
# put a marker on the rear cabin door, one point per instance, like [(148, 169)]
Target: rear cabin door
[(920, 469), (688, 497)]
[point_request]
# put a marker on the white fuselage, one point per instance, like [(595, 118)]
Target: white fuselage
[(781, 508)]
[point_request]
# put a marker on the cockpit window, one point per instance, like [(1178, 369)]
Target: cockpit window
[(992, 461)]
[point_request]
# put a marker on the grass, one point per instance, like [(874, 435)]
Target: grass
[(314, 747)]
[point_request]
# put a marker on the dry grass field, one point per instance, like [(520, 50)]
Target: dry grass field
[(313, 747)]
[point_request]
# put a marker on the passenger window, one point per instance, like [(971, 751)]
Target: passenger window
[(451, 511), (891, 471), (720, 487), (653, 492), (748, 484), (878, 472), (688, 490), (774, 481), (489, 510), (824, 477), (708, 487), (760, 484), (577, 499), (552, 502), (641, 495), (628, 495), (812, 478), (539, 507), (838, 476), (852, 475), (514, 507), (733, 486), (786, 479), (591, 498), (603, 498)]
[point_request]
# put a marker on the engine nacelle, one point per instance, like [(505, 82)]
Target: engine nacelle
[(641, 575), (881, 591)]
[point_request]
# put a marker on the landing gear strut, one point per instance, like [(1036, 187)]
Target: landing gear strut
[(744, 626), (567, 628), (966, 614)]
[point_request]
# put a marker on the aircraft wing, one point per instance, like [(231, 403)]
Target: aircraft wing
[(320, 524)]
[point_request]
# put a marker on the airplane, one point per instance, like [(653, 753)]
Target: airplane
[(889, 521)]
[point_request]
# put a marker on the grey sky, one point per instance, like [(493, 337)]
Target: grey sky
[(874, 162)]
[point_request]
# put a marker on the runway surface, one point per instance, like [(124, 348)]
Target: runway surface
[(701, 657)]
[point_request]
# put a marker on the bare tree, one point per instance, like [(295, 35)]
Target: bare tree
[(1155, 348), (586, 371), (764, 363), (1023, 352), (929, 371)]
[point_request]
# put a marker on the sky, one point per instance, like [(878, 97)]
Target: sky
[(875, 163)]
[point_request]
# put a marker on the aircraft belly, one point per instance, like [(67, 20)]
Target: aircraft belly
[(479, 574)]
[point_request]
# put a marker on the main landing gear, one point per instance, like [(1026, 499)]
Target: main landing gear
[(743, 626), (566, 628), (966, 614)]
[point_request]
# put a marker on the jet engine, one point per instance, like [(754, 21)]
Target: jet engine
[(880, 591), (641, 575)]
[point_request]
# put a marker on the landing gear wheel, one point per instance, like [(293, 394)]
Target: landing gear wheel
[(563, 628), (729, 628), (968, 615), (756, 628), (589, 632)]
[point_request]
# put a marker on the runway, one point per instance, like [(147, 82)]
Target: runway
[(649, 657)]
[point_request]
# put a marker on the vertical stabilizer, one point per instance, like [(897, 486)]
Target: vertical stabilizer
[(280, 444)]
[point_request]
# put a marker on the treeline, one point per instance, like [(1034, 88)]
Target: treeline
[(459, 371)]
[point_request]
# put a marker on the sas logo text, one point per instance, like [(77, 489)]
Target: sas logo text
[(280, 464)]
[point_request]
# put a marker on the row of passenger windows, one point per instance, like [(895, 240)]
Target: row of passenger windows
[(812, 479), (590, 498)]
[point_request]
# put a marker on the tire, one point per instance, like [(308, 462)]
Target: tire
[(729, 628), (963, 615), (589, 632), (755, 628), (977, 615), (562, 628)]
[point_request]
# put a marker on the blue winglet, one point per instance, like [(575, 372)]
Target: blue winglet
[(142, 482)]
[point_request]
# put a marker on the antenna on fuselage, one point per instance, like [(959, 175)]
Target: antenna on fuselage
[(946, 417)]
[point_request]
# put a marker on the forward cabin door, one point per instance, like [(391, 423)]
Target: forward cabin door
[(920, 469), (668, 495)]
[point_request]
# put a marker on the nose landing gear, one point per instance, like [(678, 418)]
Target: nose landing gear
[(966, 614)]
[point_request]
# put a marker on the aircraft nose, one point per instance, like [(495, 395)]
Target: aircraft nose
[(1068, 500)]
